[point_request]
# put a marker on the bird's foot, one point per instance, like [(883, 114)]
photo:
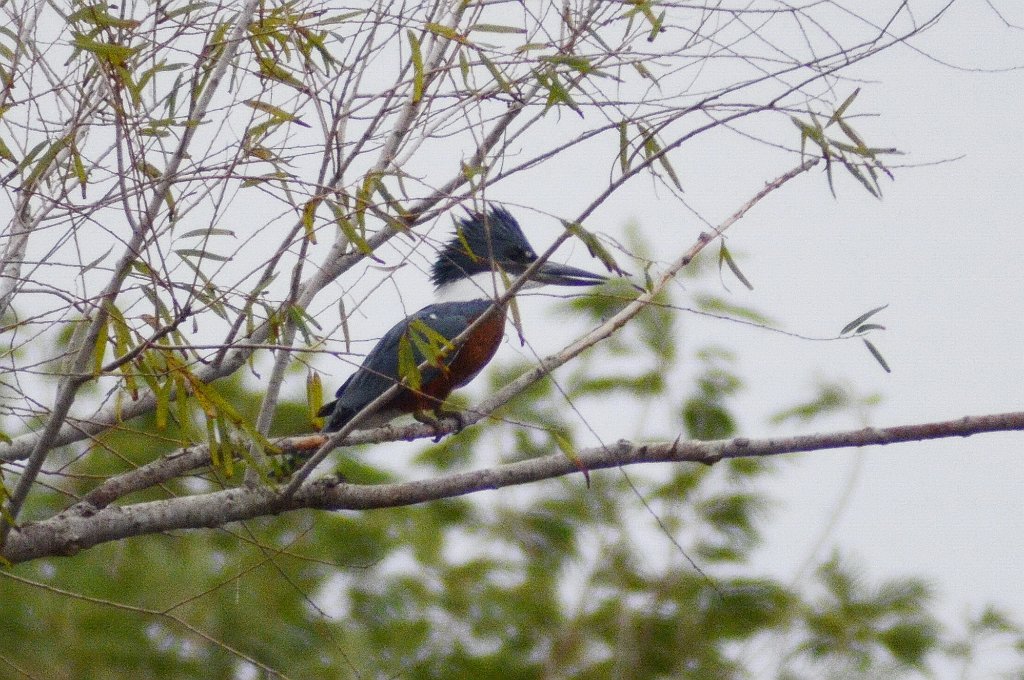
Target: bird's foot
[(434, 420)]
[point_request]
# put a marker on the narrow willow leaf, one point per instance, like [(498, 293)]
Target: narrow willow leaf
[(202, 254), (496, 73), (594, 245), (300, 323), (418, 77), (45, 161), (277, 113), (852, 168), (269, 177), (272, 70), (444, 32), (163, 404), (227, 454), (31, 155), (408, 369), (122, 331), (5, 152), (725, 256), (864, 328), (211, 440), (669, 170), (100, 348), (351, 233), (314, 396), (433, 346), (837, 116), (569, 450), (496, 28), (876, 354), (97, 261), (861, 319), (207, 232), (557, 94), (181, 400), (98, 16), (306, 316), (309, 217), (79, 169), (657, 26), (517, 320), (581, 64), (624, 146), (112, 53), (464, 68), (343, 315)]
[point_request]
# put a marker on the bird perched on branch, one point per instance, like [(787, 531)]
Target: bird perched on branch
[(484, 246)]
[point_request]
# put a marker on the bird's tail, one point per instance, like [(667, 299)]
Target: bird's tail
[(336, 417), (327, 409)]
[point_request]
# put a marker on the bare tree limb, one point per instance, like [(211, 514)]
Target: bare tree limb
[(84, 526)]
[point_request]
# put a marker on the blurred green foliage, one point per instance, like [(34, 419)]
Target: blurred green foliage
[(645, 574)]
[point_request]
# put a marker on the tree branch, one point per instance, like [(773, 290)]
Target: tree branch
[(84, 526)]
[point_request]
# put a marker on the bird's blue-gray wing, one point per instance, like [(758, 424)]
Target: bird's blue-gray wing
[(379, 370)]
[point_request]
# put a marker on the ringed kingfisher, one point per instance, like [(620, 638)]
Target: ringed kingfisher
[(484, 245)]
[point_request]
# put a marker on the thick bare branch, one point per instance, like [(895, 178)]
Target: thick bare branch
[(84, 526)]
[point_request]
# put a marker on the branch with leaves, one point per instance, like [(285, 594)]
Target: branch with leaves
[(84, 525)]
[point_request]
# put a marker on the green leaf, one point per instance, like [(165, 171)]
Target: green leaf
[(301, 318), (309, 217), (877, 355), (100, 348), (112, 53), (496, 28), (725, 256), (706, 420), (163, 401), (5, 152), (569, 450), (594, 246), (464, 68), (624, 146), (44, 162), (842, 108), (408, 369), (314, 397), (445, 32), (861, 319), (432, 346), (417, 67), (354, 236), (496, 73), (202, 254), (557, 93), (276, 113), (872, 189), (97, 15), (207, 233), (78, 168), (581, 64)]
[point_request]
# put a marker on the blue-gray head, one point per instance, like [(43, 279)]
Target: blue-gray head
[(488, 242)]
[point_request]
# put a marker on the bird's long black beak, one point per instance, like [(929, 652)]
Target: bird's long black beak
[(554, 274)]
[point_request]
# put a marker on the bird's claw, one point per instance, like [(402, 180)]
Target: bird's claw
[(434, 420)]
